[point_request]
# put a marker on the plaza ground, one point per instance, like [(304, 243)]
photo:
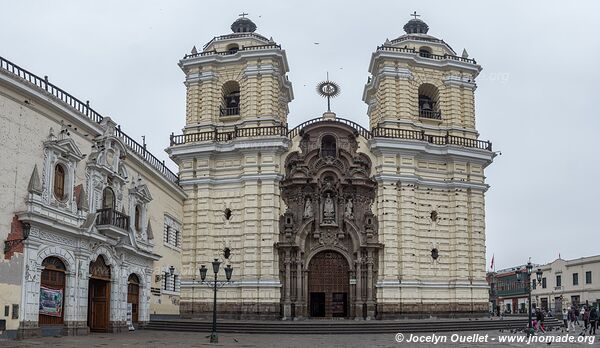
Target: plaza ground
[(162, 339)]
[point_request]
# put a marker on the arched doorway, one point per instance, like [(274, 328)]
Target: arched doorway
[(52, 292), (328, 285), (133, 296), (99, 296)]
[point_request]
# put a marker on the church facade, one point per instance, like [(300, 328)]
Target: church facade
[(329, 219), (325, 219)]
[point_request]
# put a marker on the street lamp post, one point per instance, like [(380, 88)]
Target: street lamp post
[(538, 273), (214, 338)]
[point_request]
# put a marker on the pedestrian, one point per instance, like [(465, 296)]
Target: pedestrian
[(586, 318), (572, 318), (565, 317), (593, 320), (539, 318)]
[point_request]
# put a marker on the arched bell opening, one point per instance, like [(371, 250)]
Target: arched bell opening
[(429, 101)]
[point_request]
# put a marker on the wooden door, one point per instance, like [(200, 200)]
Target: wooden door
[(99, 296), (317, 304), (99, 305), (133, 296), (328, 274), (52, 292)]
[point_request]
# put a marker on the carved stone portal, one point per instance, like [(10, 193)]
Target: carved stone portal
[(329, 196)]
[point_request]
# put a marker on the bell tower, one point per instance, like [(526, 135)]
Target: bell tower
[(430, 177), (419, 81), (229, 158), (237, 79)]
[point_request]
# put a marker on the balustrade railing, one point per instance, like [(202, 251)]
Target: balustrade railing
[(236, 36), (436, 115), (228, 134), (419, 38), (109, 216), (360, 129), (378, 132), (428, 55), (230, 111), (433, 139), (85, 110), (228, 52)]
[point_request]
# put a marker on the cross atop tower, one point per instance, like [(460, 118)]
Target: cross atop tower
[(414, 14), (244, 14)]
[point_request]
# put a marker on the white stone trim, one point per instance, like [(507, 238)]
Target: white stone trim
[(431, 183), (431, 284), (238, 56), (255, 283), (424, 62), (460, 82), (281, 143), (232, 180)]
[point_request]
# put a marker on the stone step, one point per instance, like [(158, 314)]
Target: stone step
[(343, 327)]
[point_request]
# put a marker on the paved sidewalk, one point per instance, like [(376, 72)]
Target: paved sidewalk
[(162, 339)]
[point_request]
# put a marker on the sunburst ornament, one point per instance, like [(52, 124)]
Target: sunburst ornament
[(328, 89)]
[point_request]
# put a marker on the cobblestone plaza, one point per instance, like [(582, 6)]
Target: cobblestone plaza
[(145, 338)]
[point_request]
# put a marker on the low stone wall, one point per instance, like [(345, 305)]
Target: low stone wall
[(263, 311)]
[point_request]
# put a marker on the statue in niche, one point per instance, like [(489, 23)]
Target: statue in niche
[(308, 210), (349, 207), (329, 210)]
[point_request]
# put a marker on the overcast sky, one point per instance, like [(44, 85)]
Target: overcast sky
[(535, 99)]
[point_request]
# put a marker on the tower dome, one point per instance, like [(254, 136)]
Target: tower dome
[(416, 26), (243, 25)]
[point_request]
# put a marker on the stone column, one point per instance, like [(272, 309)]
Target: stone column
[(287, 304), (298, 284), (305, 311), (358, 301), (370, 302)]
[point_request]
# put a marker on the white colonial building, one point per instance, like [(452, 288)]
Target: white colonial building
[(90, 219), (569, 283)]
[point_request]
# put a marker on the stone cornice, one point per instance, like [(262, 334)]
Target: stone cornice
[(417, 180), (233, 179), (417, 60), (237, 57), (259, 283), (413, 147), (278, 144), (460, 81), (431, 284)]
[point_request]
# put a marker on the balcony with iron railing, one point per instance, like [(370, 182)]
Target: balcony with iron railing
[(112, 222)]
